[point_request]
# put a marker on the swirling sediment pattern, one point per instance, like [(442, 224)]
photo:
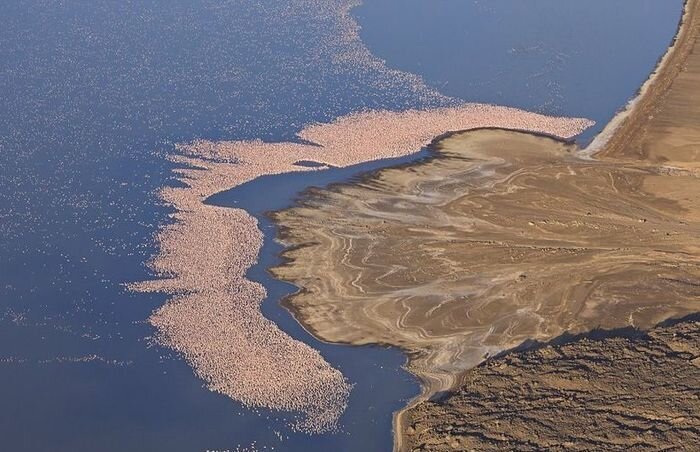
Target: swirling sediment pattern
[(503, 238), (214, 317)]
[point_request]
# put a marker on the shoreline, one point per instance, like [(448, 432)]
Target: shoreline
[(627, 121), (427, 386), (614, 136)]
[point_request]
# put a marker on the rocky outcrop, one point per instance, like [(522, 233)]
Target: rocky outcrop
[(628, 391)]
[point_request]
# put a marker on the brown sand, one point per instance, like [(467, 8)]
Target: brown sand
[(507, 237)]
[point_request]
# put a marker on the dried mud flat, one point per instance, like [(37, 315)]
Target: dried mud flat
[(504, 237), (618, 393), (507, 237)]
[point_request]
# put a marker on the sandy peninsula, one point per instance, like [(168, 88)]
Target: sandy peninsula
[(505, 237)]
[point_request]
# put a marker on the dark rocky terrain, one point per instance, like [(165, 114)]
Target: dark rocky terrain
[(627, 391)]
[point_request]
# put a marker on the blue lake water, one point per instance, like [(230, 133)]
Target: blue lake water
[(94, 93), (570, 58)]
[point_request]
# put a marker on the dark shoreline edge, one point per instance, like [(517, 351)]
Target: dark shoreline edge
[(284, 318)]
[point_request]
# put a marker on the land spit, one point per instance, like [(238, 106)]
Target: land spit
[(505, 237), (213, 317), (502, 237)]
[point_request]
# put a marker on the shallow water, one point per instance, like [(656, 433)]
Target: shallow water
[(569, 58), (93, 95)]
